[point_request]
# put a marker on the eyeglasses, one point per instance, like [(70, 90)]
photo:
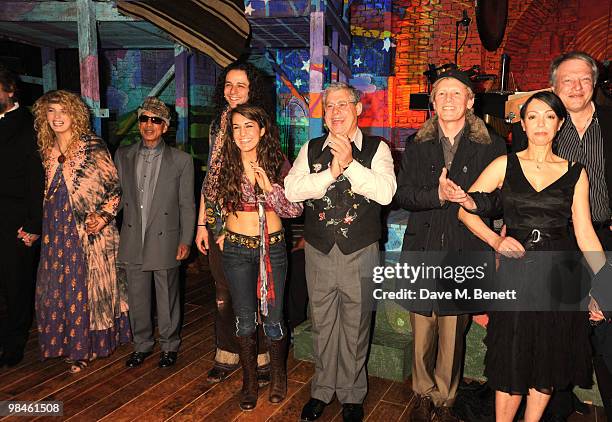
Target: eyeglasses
[(155, 120), (341, 105)]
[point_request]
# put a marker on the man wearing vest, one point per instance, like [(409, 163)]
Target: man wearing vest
[(344, 178)]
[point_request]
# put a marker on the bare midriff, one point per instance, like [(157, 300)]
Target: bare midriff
[(247, 222)]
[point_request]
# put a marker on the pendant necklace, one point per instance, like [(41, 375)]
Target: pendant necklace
[(62, 157), (584, 128)]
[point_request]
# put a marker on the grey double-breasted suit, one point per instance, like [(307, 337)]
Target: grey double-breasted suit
[(170, 221)]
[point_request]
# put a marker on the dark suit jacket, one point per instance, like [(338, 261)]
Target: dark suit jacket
[(171, 219), (21, 175)]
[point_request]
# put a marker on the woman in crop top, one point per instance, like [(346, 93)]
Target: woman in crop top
[(253, 200)]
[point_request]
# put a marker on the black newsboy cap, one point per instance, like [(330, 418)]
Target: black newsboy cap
[(459, 75)]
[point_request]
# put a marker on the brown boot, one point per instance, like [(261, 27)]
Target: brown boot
[(422, 410), (248, 360), (263, 375), (278, 369)]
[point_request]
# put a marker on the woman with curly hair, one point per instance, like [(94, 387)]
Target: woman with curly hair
[(253, 201), (239, 83), (81, 308)]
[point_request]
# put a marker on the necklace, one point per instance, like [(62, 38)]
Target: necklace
[(586, 124), (62, 157)]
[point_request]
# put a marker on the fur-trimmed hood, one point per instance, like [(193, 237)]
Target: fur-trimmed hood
[(475, 130)]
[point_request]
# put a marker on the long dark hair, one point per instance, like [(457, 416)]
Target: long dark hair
[(258, 94), (549, 98), (269, 156)]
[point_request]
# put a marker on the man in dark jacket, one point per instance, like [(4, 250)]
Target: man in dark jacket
[(21, 193), (456, 145), (586, 137)]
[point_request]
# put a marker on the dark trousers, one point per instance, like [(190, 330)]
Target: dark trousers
[(296, 291), (166, 284), (224, 313), (603, 369), (17, 287), (241, 265), (562, 401)]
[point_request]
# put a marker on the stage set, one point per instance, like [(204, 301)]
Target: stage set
[(116, 53)]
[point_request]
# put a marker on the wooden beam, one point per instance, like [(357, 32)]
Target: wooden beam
[(333, 47), (333, 17), (31, 79), (317, 67), (343, 53), (181, 81), (335, 59), (108, 12), (49, 70), (57, 11), (88, 60), (286, 81)]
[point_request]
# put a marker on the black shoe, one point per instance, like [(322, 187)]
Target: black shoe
[(167, 359), (219, 373), (312, 410), (352, 412), (136, 359)]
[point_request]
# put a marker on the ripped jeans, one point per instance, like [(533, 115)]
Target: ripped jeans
[(241, 267)]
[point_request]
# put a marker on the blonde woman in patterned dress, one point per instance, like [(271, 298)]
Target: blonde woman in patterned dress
[(81, 308)]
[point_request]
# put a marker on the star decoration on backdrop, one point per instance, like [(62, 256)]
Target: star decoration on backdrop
[(387, 44), (357, 62), (298, 83), (306, 65), (248, 10)]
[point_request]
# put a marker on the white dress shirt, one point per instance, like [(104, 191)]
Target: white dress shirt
[(15, 107), (376, 183)]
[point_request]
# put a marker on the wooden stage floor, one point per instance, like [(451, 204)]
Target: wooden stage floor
[(108, 391)]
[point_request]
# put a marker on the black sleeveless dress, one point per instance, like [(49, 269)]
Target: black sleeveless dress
[(544, 350)]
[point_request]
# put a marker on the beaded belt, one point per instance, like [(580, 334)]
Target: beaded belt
[(253, 242)]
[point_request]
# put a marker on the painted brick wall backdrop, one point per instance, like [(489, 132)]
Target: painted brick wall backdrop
[(423, 31)]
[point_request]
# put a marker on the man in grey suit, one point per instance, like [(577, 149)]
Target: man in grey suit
[(157, 230)]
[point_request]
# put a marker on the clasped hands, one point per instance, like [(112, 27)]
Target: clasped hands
[(94, 223), (450, 191), (342, 152)]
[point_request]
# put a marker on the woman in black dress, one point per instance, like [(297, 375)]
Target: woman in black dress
[(534, 353)]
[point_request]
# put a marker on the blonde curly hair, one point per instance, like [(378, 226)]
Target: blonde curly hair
[(74, 106)]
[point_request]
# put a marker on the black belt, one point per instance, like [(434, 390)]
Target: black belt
[(531, 237)]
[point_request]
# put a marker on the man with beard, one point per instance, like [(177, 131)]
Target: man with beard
[(21, 194)]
